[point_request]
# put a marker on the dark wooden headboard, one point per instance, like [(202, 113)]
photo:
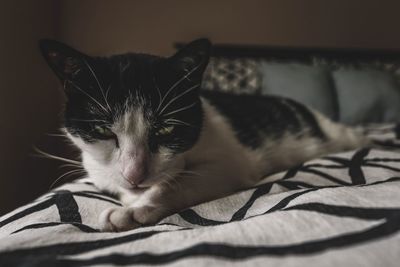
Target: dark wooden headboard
[(303, 54)]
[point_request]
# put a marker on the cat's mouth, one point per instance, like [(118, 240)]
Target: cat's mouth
[(151, 180), (134, 187), (145, 184)]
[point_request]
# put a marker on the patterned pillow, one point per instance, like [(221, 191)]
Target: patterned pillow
[(239, 75)]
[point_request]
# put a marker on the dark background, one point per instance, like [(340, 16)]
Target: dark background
[(29, 94)]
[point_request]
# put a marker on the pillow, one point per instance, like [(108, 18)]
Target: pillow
[(238, 76), (366, 96), (306, 84)]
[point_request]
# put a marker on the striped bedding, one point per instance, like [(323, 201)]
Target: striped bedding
[(339, 210)]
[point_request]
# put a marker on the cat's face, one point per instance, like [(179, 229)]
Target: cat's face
[(132, 115)]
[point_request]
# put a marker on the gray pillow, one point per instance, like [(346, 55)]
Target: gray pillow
[(309, 85), (367, 96)]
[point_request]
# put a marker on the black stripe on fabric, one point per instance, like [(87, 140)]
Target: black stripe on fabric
[(284, 202), (345, 211), (67, 207), (325, 176), (343, 161), (383, 159), (327, 166), (234, 252), (292, 172), (355, 172), (288, 186), (382, 166), (386, 144), (49, 252), (288, 174), (35, 208), (82, 227), (97, 197), (73, 248), (192, 217), (36, 226), (260, 191), (294, 185), (391, 179)]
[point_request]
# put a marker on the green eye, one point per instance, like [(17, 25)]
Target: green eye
[(165, 130), (104, 131)]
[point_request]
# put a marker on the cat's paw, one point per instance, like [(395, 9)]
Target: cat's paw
[(118, 220)]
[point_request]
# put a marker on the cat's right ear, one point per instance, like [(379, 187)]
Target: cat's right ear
[(65, 61)]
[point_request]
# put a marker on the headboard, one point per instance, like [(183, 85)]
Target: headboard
[(327, 79), (302, 54)]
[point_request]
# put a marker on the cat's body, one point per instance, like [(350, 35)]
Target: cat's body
[(148, 134)]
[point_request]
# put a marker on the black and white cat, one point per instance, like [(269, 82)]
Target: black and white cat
[(149, 135)]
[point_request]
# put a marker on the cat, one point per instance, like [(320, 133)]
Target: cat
[(149, 135)]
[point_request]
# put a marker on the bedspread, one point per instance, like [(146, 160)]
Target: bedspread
[(339, 210)]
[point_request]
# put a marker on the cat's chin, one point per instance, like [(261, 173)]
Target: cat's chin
[(140, 187), (130, 187), (147, 183)]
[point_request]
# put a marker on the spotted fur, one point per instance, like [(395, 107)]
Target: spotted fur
[(149, 135)]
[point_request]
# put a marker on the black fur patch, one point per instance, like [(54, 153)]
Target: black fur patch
[(255, 117), (100, 89)]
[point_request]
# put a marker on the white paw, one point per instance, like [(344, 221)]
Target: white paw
[(117, 220)]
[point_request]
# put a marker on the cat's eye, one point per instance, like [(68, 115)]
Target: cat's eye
[(104, 131), (165, 130)]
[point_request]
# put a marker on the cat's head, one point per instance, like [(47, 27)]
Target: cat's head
[(132, 115)]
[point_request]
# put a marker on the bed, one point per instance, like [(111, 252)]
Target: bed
[(340, 209)]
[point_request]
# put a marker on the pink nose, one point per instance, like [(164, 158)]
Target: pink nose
[(134, 168)]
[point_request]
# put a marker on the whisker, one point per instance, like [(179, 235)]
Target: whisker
[(159, 92), (177, 122), (71, 166), (178, 96), (190, 172), (108, 90), (56, 135), (171, 181), (50, 156), (89, 120), (179, 110), (98, 83), (177, 83), (93, 99), (64, 175)]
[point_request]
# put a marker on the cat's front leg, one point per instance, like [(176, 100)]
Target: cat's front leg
[(118, 219), (146, 209), (164, 199)]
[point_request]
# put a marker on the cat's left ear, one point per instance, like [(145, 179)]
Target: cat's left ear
[(193, 57), (65, 61)]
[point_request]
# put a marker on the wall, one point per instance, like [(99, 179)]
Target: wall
[(30, 102), (27, 98), (152, 26)]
